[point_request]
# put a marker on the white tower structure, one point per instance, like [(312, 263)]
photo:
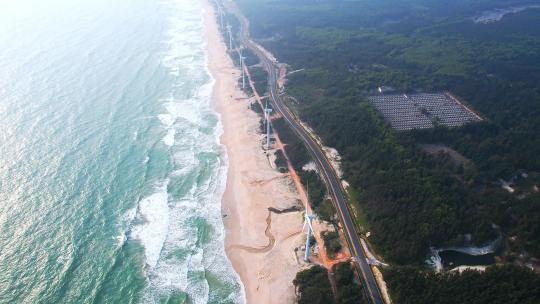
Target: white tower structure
[(267, 111), (265, 118), (243, 72), (307, 220), (220, 11), (230, 36), (240, 55), (241, 59)]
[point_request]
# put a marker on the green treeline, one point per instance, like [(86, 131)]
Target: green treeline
[(348, 291), (498, 285), (280, 162), (260, 80), (331, 242), (313, 286)]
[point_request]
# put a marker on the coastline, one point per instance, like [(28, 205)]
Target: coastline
[(259, 244)]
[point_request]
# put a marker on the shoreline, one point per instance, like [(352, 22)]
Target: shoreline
[(259, 244)]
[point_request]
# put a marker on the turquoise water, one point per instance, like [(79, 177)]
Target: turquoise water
[(111, 172)]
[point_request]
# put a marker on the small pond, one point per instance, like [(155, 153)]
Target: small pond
[(451, 259)]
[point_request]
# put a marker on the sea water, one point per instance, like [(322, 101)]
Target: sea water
[(111, 171)]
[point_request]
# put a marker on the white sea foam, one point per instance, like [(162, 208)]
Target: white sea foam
[(169, 137), (166, 119), (185, 161), (199, 165), (121, 239), (124, 225), (186, 109), (129, 215), (153, 225), (171, 271), (201, 203)]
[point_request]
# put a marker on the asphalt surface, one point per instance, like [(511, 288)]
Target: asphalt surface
[(327, 171)]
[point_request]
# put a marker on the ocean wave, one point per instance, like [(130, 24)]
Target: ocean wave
[(169, 137), (166, 119), (153, 223), (193, 248), (188, 109), (125, 221), (192, 257)]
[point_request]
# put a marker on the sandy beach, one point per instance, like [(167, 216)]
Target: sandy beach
[(259, 243)]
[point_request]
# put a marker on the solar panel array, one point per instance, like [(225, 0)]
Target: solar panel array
[(420, 111)]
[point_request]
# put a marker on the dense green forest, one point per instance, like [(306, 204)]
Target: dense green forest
[(414, 200), (331, 242), (313, 286), (348, 291), (498, 285)]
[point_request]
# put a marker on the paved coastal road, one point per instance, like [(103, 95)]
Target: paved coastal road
[(330, 177)]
